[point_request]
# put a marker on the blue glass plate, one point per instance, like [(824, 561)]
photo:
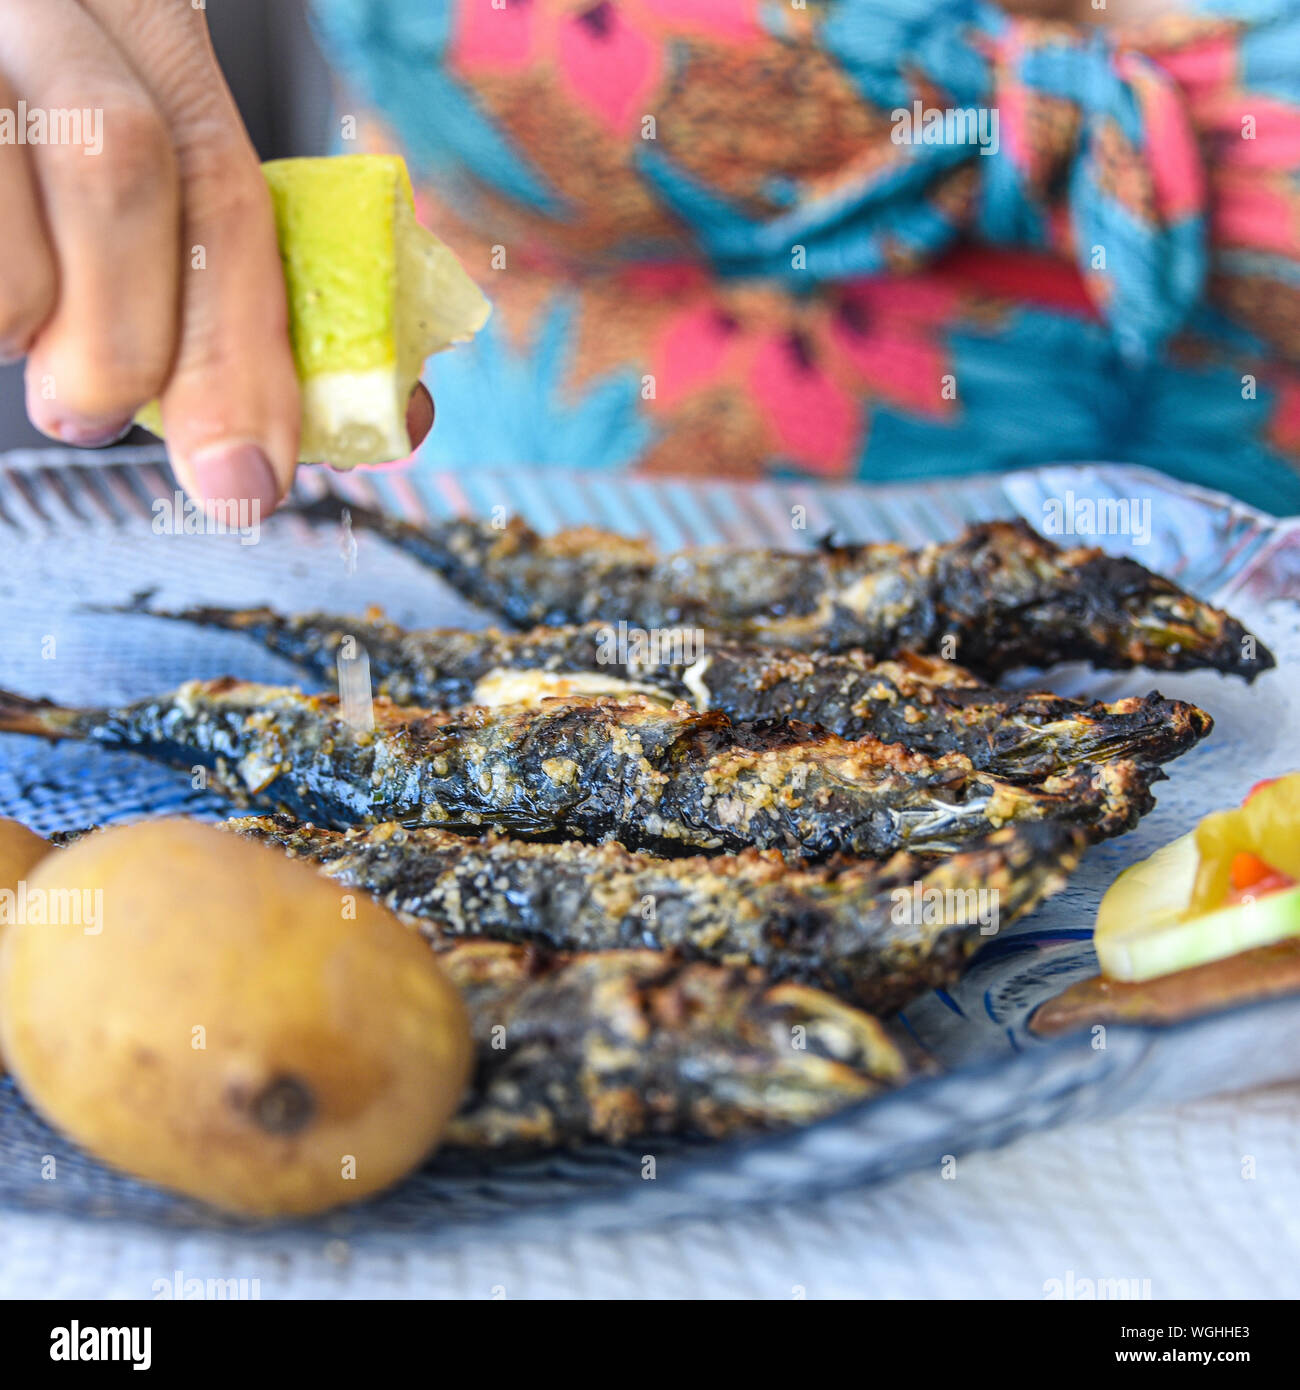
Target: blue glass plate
[(80, 529)]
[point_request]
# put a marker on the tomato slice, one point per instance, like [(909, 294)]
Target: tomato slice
[(1266, 826), (1260, 888), (1247, 869)]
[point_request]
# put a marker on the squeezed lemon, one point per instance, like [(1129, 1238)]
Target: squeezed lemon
[(371, 295)]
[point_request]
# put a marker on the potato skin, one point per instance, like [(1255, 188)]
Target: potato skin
[(239, 1029), (20, 851)]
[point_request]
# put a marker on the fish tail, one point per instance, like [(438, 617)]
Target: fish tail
[(203, 615), (253, 620), (332, 508), (459, 549), (232, 619), (141, 602), (19, 714)]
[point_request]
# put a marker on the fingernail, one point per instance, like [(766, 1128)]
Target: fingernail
[(88, 435), (419, 415), (234, 473)]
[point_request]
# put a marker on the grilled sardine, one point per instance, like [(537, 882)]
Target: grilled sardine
[(621, 1044), (999, 597), (874, 934), (616, 1045), (921, 702), (665, 779)]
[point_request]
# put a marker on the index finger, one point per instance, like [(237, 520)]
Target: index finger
[(230, 408)]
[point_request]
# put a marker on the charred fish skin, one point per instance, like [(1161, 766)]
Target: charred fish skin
[(622, 1045), (491, 565), (618, 1045), (440, 668), (875, 935), (1054, 605), (927, 705), (665, 779), (1005, 596), (922, 703)]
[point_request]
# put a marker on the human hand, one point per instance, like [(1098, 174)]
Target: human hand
[(140, 251)]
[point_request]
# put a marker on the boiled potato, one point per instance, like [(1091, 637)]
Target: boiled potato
[(216, 1018), (20, 849)]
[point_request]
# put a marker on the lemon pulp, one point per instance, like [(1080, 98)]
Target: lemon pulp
[(371, 294)]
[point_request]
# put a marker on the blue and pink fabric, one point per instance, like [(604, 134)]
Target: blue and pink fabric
[(720, 242)]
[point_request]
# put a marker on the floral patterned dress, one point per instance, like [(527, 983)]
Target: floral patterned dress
[(853, 238)]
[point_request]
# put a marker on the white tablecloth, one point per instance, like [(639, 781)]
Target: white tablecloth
[(1159, 1196)]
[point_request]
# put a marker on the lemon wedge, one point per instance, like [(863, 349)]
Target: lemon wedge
[(371, 295)]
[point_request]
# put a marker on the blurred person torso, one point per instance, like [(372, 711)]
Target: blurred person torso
[(876, 239)]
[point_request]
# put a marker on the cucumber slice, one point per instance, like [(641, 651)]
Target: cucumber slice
[(1150, 948), (1153, 891)]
